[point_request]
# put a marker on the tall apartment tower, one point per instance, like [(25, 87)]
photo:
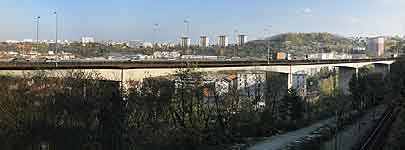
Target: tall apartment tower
[(204, 41), (241, 39), (222, 41), (376, 46), (185, 42)]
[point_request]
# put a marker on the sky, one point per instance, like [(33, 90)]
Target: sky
[(163, 20)]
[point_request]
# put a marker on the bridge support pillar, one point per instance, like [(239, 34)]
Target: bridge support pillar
[(382, 68), (344, 77), (290, 81)]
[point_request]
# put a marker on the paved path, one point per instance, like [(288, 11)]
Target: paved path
[(352, 134), (279, 141)]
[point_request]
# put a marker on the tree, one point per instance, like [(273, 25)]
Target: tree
[(356, 90), (275, 90), (397, 78), (292, 106)]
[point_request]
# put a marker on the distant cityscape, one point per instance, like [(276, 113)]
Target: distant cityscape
[(184, 41), (27, 49)]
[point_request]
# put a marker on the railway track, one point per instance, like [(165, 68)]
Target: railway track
[(375, 140)]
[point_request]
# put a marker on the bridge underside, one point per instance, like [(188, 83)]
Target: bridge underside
[(346, 71)]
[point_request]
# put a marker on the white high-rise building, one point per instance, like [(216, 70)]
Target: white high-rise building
[(241, 39), (376, 46), (204, 41), (86, 40), (222, 41), (185, 42)]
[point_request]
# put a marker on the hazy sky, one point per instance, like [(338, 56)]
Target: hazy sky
[(134, 19)]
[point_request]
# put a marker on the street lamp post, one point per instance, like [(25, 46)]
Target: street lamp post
[(37, 33), (236, 45), (155, 29), (186, 34), (187, 26), (267, 29), (268, 55), (56, 30), (56, 37)]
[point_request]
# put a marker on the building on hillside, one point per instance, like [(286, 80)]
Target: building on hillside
[(322, 56), (166, 55), (12, 53), (147, 45), (358, 50), (86, 40), (28, 40), (135, 44), (12, 41), (66, 42), (376, 46), (223, 41), (67, 56)]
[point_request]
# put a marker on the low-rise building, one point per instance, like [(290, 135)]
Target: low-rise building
[(12, 41), (135, 44), (28, 40), (12, 53), (251, 83), (166, 55), (147, 45), (358, 50), (67, 56), (86, 40), (322, 56), (199, 57), (299, 83)]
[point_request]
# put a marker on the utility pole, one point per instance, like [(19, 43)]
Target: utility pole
[(37, 21)]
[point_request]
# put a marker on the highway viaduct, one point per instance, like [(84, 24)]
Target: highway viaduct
[(136, 71)]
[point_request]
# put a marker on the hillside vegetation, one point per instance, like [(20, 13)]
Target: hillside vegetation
[(302, 43)]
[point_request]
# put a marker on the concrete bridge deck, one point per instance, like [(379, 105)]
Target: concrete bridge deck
[(149, 64), (138, 70)]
